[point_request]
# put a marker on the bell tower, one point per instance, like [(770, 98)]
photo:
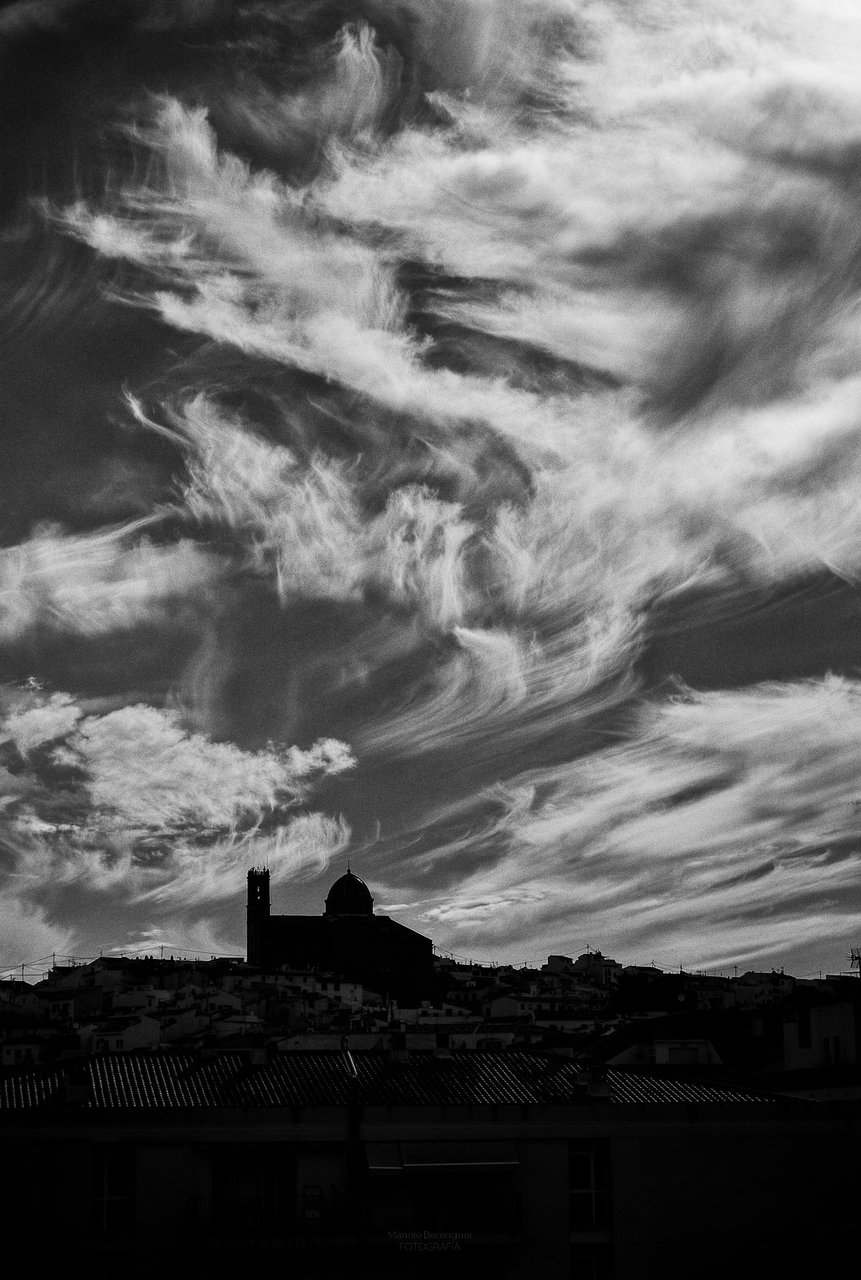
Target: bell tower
[(257, 914)]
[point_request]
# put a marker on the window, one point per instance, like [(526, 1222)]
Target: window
[(589, 1186), (113, 1191), (683, 1055), (832, 1049), (590, 1262), (254, 1190)]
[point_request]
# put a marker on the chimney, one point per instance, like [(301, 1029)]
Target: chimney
[(398, 1051), (75, 1085), (442, 1048), (594, 1083)]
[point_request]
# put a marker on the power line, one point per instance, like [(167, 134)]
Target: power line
[(54, 959)]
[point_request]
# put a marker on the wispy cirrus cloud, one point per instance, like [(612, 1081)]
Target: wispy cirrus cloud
[(449, 383)]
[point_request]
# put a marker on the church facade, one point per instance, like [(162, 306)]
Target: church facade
[(348, 940)]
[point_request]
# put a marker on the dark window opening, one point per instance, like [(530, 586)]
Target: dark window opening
[(254, 1191), (589, 1186), (113, 1191)]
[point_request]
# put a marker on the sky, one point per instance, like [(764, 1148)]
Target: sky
[(431, 438)]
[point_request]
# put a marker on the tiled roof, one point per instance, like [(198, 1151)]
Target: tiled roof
[(34, 1087), (640, 1086), (332, 1078)]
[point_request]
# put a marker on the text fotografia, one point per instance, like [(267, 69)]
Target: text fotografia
[(429, 1241)]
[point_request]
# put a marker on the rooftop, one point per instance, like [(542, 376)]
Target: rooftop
[(334, 1078)]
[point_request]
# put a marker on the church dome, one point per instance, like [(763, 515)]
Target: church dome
[(349, 896)]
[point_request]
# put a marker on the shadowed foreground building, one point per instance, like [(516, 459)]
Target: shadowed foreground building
[(511, 1165), (348, 939)]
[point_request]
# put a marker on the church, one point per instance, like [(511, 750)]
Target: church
[(348, 939)]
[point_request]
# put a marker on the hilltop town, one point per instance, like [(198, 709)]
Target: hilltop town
[(381, 1102), (589, 1008)]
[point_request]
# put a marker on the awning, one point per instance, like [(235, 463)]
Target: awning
[(394, 1157), (384, 1157)]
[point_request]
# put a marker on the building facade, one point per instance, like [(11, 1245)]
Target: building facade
[(509, 1165)]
